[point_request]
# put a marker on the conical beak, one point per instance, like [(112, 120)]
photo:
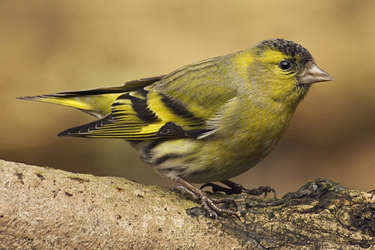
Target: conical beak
[(313, 74)]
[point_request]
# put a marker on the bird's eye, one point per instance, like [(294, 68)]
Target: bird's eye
[(285, 65)]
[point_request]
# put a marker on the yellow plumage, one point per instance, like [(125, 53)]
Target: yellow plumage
[(207, 121)]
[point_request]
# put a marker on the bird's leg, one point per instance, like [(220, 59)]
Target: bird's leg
[(236, 188), (208, 203)]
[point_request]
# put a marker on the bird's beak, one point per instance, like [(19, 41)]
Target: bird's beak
[(313, 74)]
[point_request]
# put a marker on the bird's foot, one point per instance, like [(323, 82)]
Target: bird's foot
[(235, 188), (208, 203)]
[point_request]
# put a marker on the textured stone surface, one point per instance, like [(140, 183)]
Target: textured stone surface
[(51, 209), (42, 208)]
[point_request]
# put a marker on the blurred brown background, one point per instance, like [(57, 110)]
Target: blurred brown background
[(51, 46)]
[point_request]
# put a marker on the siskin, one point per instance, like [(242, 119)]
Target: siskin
[(207, 121)]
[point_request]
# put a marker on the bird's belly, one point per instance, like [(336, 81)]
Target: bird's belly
[(201, 161)]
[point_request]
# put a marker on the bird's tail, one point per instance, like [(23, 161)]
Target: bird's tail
[(96, 105), (96, 102)]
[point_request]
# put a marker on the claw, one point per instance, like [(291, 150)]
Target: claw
[(236, 188), (261, 190), (209, 204)]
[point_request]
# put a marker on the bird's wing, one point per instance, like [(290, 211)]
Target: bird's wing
[(182, 104), (149, 113)]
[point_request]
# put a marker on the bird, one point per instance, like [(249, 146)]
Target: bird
[(205, 122)]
